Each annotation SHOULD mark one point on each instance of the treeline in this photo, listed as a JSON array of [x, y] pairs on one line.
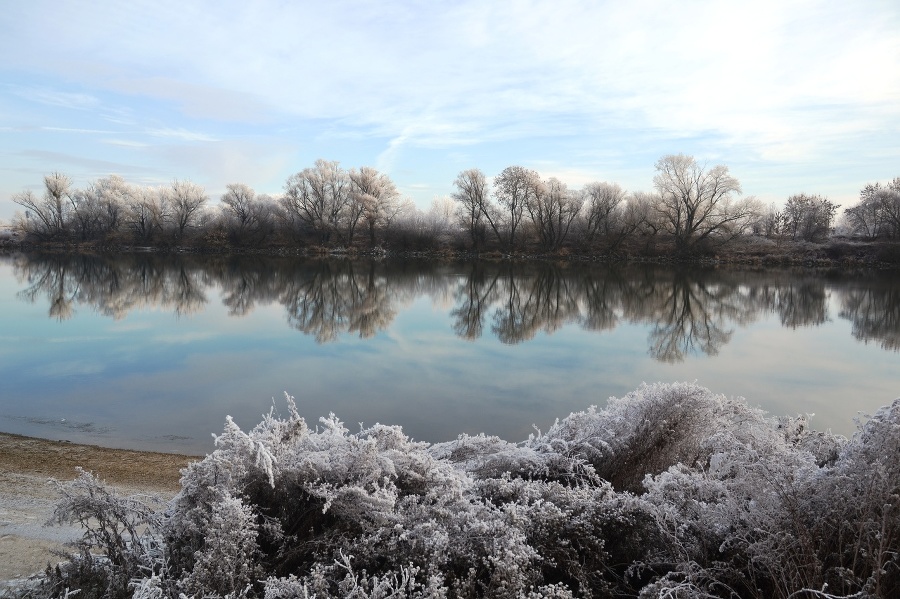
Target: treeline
[[691, 209]]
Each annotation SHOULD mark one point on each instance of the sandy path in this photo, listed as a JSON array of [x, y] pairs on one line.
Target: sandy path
[[27, 500]]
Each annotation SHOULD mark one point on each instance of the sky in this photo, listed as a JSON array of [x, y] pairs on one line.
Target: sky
[[793, 96]]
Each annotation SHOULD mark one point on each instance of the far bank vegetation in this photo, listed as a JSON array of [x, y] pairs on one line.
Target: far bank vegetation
[[694, 210]]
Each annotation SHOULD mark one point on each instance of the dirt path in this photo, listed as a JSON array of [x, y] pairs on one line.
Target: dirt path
[[27, 500]]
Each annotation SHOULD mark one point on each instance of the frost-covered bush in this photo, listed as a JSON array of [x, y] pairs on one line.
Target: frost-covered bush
[[650, 429], [670, 491], [121, 540]]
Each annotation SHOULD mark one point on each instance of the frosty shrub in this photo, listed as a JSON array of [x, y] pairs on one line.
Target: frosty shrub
[[121, 539], [670, 491]]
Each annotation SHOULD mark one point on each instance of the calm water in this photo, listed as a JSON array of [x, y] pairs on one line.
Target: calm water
[[151, 352]]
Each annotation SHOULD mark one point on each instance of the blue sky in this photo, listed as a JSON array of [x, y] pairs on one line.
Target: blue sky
[[792, 96]]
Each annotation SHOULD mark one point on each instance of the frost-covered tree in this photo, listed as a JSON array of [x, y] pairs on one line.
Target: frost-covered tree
[[878, 211], [99, 209], [146, 214], [248, 218], [808, 217], [770, 223], [318, 199], [185, 201], [47, 217], [696, 203], [376, 197]]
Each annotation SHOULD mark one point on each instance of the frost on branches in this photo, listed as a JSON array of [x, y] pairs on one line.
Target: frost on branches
[[670, 491]]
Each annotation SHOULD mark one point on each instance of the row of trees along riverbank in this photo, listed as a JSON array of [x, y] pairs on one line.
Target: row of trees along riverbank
[[692, 210]]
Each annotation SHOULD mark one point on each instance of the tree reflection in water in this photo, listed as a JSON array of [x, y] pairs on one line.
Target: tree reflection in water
[[690, 310], [875, 313]]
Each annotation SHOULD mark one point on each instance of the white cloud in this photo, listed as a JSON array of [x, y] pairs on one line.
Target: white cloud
[[49, 97], [73, 130], [125, 143], [180, 134]]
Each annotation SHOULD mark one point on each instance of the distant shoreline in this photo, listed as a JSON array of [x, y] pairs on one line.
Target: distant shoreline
[[754, 252]]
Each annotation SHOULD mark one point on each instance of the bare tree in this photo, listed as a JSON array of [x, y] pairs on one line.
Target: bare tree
[[318, 198], [237, 204], [99, 209], [377, 197], [770, 223], [865, 219], [248, 217], [146, 213], [552, 209], [186, 201], [47, 217], [696, 204], [472, 195], [878, 211], [513, 189], [602, 204], [641, 212], [889, 200], [808, 217]]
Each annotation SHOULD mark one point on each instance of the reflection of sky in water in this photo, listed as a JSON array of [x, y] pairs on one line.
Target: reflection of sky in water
[[155, 380]]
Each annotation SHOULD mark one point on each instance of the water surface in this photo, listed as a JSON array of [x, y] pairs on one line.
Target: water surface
[[151, 352]]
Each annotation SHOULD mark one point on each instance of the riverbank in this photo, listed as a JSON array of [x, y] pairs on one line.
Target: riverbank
[[27, 498], [745, 251]]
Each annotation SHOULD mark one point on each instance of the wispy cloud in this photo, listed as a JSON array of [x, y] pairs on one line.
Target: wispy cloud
[[125, 143], [180, 134], [50, 97], [74, 130], [71, 159]]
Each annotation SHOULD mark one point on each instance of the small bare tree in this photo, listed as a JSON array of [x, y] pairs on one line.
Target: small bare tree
[[186, 201], [878, 211], [601, 211], [146, 214], [99, 209], [552, 209], [472, 195], [808, 217], [47, 217], [248, 217]]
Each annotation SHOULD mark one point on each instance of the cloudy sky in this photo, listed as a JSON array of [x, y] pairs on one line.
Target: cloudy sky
[[793, 96]]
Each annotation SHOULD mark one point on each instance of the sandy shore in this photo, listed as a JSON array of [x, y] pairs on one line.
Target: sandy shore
[[27, 500]]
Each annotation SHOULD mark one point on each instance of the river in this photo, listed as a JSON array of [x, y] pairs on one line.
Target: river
[[150, 351]]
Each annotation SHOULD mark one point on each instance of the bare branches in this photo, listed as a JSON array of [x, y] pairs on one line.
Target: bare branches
[[376, 197], [693, 207], [47, 217], [696, 204], [472, 195]]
